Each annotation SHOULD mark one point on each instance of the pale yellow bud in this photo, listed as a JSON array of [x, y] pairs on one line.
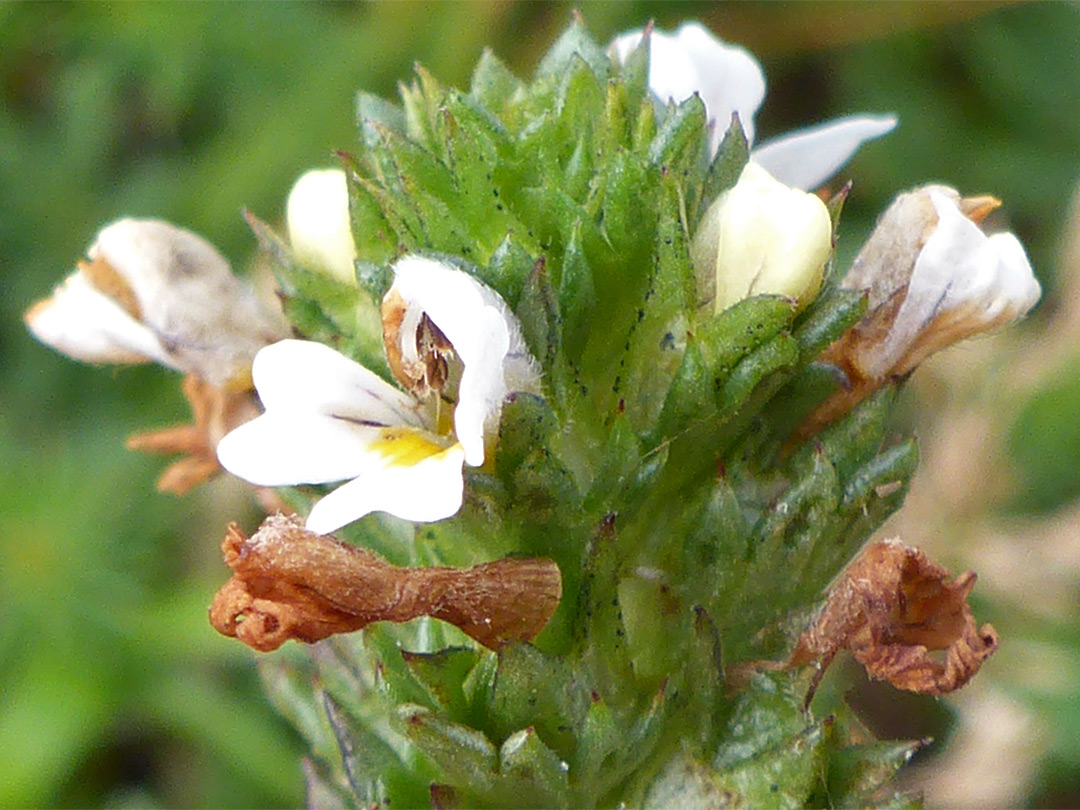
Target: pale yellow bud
[[761, 237], [320, 231]]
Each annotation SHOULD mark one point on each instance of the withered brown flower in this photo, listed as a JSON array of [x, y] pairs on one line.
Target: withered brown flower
[[292, 583], [150, 291], [892, 607], [932, 278]]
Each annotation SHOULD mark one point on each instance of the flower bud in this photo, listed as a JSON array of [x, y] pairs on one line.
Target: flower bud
[[761, 237], [320, 231], [933, 278]]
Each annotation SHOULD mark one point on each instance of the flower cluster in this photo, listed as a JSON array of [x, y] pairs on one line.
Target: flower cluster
[[593, 339]]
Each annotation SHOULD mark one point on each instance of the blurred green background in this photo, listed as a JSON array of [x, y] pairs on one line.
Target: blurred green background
[[114, 690]]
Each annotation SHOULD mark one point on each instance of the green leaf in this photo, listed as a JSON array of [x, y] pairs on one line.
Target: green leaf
[[731, 158], [858, 772], [635, 71], [574, 44], [538, 310], [366, 759], [577, 297], [618, 468], [737, 331], [691, 397], [444, 674], [779, 354], [421, 101], [493, 84], [534, 690], [833, 313], [783, 776], [464, 757], [524, 758], [371, 108], [679, 146], [856, 438]]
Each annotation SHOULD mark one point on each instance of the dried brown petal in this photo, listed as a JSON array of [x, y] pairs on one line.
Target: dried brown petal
[[891, 608], [216, 412], [291, 583]]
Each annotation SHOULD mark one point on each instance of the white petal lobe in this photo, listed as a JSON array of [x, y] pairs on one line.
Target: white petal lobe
[[88, 325], [693, 60], [301, 375], [808, 157], [279, 449], [428, 491]]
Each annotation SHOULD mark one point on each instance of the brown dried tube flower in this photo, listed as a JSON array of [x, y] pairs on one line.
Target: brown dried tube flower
[[291, 583], [891, 608]]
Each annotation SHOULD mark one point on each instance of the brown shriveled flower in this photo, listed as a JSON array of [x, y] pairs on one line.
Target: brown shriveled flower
[[891, 608], [291, 583]]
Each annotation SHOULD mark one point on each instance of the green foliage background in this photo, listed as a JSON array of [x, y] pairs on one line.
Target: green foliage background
[[114, 690]]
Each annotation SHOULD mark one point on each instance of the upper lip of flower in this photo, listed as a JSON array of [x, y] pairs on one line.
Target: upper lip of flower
[[329, 419], [728, 79]]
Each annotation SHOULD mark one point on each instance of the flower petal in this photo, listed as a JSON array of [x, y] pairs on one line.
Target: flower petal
[[319, 228], [484, 334], [304, 376], [84, 323], [962, 267], [278, 449], [426, 490], [808, 157]]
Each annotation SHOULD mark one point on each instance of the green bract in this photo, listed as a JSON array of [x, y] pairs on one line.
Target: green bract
[[657, 469]]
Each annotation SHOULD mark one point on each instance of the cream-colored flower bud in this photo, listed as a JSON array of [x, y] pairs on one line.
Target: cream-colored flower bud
[[933, 278], [320, 230], [761, 237]]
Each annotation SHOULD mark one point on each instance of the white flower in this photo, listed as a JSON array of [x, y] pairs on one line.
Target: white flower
[[451, 341], [934, 278], [761, 237], [318, 220], [152, 291], [729, 79]]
